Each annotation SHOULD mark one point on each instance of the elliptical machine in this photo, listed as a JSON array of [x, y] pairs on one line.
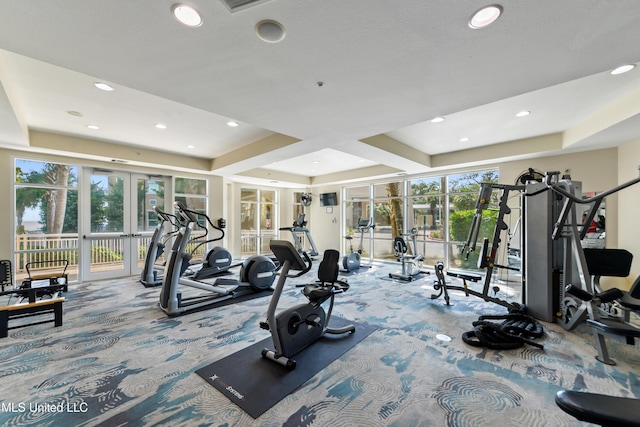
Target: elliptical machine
[[295, 328], [257, 274], [151, 274], [352, 261]]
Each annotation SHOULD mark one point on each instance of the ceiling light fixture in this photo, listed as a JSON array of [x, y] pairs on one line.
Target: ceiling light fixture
[[191, 146], [270, 31], [186, 15], [437, 120], [232, 124], [523, 113], [623, 69], [94, 127], [464, 139], [485, 16], [160, 126], [103, 86]]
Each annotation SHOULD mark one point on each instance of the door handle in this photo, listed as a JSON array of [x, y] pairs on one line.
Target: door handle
[[136, 235]]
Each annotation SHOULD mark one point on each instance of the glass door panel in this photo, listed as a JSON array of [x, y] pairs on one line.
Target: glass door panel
[[106, 240], [119, 223], [149, 194]]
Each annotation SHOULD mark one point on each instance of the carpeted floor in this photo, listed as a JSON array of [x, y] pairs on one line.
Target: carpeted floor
[[119, 360]]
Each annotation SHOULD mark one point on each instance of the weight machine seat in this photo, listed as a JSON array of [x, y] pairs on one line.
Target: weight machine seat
[[608, 262], [600, 409], [615, 263], [631, 299], [629, 302], [464, 276], [615, 327]]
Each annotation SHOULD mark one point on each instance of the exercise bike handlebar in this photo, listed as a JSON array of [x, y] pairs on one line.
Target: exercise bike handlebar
[[286, 253]]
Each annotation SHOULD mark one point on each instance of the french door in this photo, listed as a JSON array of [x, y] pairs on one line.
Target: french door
[[118, 221]]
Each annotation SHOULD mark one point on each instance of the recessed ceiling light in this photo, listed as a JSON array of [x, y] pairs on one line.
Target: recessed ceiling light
[[186, 15], [232, 124], [523, 113], [94, 127], [485, 16], [623, 69], [160, 126], [464, 139], [191, 146], [103, 86], [315, 162], [74, 113], [437, 120]]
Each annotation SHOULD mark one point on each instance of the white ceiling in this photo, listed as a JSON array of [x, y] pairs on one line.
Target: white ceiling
[[387, 68]]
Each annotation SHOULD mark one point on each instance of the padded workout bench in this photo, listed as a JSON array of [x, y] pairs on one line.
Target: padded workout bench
[[32, 291], [35, 308], [599, 409]]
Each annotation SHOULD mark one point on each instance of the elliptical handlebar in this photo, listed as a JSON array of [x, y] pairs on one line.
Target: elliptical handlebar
[[167, 217], [190, 216]]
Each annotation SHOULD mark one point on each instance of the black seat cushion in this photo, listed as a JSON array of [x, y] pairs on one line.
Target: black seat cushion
[[599, 408]]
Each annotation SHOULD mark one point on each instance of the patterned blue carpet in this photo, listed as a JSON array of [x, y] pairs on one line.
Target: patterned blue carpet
[[119, 360]]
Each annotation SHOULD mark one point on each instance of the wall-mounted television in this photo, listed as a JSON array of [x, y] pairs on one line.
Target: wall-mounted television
[[328, 199]]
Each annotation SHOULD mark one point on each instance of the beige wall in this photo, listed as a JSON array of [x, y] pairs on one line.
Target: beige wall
[[629, 205]]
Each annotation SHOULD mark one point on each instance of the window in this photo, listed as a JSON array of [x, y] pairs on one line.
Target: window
[[46, 215], [440, 208], [193, 194], [258, 220]]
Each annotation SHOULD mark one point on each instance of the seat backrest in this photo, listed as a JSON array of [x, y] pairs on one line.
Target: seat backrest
[[608, 262], [328, 268], [400, 246]]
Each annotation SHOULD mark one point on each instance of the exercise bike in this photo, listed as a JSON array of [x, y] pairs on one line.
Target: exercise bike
[[295, 328], [411, 263], [352, 261]]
